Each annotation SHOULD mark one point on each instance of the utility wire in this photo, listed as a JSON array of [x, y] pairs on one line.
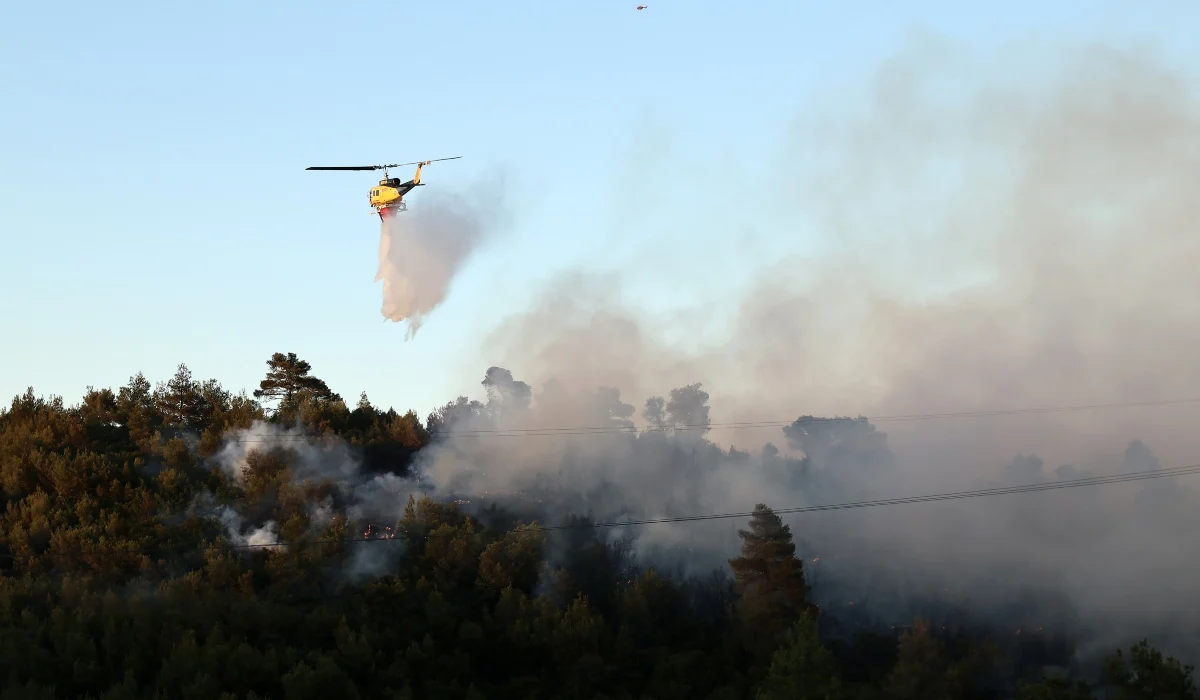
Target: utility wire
[[624, 429], [976, 493]]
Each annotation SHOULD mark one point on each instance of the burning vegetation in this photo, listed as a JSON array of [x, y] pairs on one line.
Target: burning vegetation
[[185, 539]]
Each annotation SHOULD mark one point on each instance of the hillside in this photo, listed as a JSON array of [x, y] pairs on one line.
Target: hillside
[[186, 541]]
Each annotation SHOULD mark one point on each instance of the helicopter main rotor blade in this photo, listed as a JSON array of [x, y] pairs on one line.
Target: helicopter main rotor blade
[[377, 167], [418, 162]]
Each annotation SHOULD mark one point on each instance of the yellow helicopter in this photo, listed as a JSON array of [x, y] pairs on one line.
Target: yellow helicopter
[[388, 196]]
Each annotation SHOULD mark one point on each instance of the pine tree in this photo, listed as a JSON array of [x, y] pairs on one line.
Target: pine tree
[[926, 669], [772, 592], [802, 669], [289, 376], [180, 400]]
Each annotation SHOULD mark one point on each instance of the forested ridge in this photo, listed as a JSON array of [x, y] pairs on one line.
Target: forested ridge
[[135, 567]]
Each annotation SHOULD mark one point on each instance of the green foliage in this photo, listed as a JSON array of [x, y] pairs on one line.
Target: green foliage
[[288, 379], [513, 560], [802, 668], [1145, 674], [118, 581], [926, 670]]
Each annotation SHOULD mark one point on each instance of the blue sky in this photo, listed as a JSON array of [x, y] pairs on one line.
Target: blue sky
[[154, 207]]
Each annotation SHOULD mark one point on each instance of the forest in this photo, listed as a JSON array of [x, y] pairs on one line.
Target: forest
[[182, 540]]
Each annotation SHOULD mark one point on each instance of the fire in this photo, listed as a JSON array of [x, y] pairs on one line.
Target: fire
[[386, 533]]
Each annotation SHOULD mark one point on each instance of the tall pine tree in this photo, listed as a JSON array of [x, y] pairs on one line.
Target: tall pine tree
[[289, 376], [772, 592], [180, 400]]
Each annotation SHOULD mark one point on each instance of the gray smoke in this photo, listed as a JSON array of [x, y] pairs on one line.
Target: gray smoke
[[1029, 243], [308, 458], [361, 498], [422, 250], [236, 528], [264, 537], [992, 239]]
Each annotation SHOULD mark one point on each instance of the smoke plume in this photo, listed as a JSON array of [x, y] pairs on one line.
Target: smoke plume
[[266, 449], [421, 251], [990, 238]]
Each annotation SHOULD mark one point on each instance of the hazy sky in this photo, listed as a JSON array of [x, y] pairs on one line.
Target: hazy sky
[[154, 207]]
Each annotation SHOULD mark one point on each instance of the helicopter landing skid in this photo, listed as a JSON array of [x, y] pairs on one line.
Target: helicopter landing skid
[[401, 206]]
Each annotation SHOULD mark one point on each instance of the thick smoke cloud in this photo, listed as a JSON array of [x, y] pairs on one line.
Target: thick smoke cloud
[[1028, 243], [422, 250], [991, 239]]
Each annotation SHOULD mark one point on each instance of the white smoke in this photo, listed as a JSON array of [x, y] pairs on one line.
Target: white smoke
[[421, 251], [320, 515], [360, 497], [265, 536], [309, 458]]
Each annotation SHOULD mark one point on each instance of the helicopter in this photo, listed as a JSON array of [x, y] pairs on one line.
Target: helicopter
[[388, 196]]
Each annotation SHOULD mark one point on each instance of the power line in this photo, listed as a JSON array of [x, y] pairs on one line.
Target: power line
[[629, 429], [957, 495], [978, 493]]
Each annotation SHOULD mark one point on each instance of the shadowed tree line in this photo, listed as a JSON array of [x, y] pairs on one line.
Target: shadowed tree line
[[115, 584]]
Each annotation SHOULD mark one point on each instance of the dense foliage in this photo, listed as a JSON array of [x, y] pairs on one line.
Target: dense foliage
[[114, 584]]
